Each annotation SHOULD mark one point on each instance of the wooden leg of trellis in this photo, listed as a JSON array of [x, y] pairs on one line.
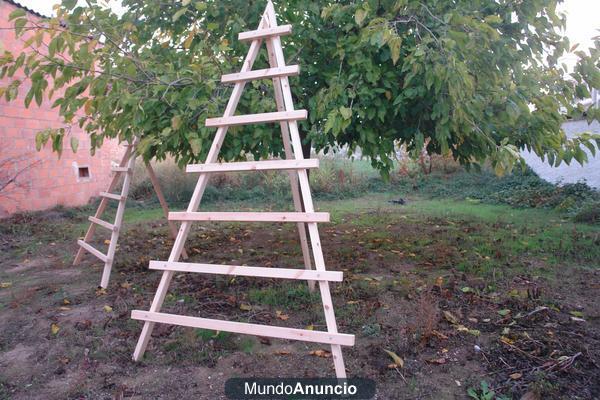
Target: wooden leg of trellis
[[102, 206], [163, 204], [285, 134], [184, 229], [336, 350], [114, 237]]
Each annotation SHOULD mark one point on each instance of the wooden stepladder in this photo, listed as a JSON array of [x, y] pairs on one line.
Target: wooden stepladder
[[125, 168], [296, 166]]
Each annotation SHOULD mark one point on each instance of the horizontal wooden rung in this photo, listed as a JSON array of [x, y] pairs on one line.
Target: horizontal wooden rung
[[254, 166], [250, 216], [239, 270], [265, 33], [246, 328], [92, 250], [119, 169], [277, 116], [113, 196], [104, 224], [261, 74]]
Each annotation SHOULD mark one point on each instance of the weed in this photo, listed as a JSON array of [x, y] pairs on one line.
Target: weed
[[285, 296], [484, 392], [427, 317]]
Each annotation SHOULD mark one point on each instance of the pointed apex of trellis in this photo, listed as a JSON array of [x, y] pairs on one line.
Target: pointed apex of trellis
[[304, 216]]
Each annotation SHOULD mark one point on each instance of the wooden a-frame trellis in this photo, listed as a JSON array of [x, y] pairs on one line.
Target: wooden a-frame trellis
[[296, 165], [125, 168]]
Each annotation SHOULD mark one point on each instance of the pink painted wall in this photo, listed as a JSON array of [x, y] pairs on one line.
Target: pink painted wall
[[49, 181]]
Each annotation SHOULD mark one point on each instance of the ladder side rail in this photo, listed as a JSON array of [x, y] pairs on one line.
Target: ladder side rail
[[102, 206], [184, 229], [336, 350], [114, 237], [293, 176]]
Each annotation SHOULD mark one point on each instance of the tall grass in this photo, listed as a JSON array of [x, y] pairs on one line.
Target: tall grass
[[334, 179], [340, 178]]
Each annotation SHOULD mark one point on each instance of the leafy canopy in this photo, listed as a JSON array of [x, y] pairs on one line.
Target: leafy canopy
[[477, 79]]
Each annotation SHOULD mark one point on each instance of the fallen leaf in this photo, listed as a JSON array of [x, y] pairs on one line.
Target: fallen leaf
[[506, 340], [126, 285], [5, 285], [66, 301], [64, 308], [245, 307], [516, 376], [397, 359], [437, 361], [282, 316], [54, 328], [577, 314], [439, 335], [107, 241], [282, 352], [100, 292], [310, 327], [107, 308], [504, 312], [439, 281], [264, 340], [353, 302], [450, 317], [321, 353], [530, 396]]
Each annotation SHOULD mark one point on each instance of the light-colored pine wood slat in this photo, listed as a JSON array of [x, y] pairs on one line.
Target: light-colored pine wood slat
[[103, 204], [184, 229], [246, 328], [102, 223], [288, 70], [278, 61], [92, 250], [119, 169], [250, 216], [257, 118], [265, 33], [254, 166], [113, 196], [240, 270]]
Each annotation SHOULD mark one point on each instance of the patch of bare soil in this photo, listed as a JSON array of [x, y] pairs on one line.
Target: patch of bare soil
[[62, 338]]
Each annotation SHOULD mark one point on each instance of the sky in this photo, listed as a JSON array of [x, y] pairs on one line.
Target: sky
[[583, 19]]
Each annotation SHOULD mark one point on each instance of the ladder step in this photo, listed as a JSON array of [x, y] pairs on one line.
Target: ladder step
[[261, 74], [265, 33], [246, 328], [105, 224], [93, 250], [239, 270], [257, 118], [120, 169], [254, 166], [113, 196], [250, 216]]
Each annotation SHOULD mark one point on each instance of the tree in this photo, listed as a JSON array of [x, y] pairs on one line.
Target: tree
[[475, 79]]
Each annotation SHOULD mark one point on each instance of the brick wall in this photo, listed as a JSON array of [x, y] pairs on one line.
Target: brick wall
[[45, 180]]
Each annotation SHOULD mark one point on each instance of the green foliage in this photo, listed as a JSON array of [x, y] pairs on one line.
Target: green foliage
[[475, 79], [484, 393]]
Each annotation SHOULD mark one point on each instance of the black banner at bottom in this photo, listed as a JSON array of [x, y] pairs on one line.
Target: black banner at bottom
[[299, 388]]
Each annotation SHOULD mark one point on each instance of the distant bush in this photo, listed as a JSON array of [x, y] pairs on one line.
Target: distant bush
[[335, 179], [590, 213], [341, 178]]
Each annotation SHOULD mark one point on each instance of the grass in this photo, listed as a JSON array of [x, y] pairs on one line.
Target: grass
[[449, 228]]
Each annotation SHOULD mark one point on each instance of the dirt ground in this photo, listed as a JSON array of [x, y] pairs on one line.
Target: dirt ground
[[459, 300]]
